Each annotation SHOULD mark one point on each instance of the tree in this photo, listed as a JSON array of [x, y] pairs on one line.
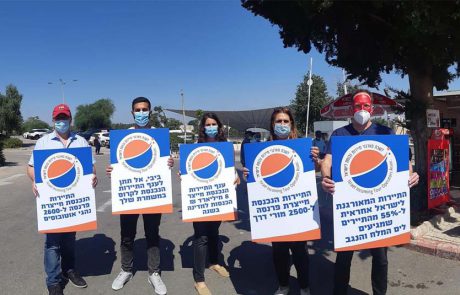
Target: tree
[[419, 39], [34, 123], [173, 124], [94, 116], [350, 88], [10, 110], [318, 99]]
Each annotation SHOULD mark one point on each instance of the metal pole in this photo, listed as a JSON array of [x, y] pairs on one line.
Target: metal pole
[[309, 83], [345, 90], [183, 116]]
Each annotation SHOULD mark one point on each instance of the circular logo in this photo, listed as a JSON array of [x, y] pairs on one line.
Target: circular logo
[[277, 168], [61, 171], [138, 152], [368, 166], [205, 163]]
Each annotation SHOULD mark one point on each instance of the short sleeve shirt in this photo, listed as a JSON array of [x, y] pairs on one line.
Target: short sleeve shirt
[[51, 141], [374, 129]]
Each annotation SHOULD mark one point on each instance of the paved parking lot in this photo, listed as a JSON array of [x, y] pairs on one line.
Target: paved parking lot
[[249, 264]]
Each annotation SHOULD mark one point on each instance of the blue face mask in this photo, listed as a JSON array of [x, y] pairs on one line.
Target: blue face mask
[[141, 118], [211, 131], [282, 131], [62, 126]]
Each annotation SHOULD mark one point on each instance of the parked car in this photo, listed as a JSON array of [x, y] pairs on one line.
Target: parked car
[[103, 138], [87, 134], [35, 133]]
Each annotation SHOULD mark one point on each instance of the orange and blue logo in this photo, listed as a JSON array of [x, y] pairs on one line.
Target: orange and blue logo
[[277, 168], [205, 163], [61, 171], [368, 165], [137, 152]]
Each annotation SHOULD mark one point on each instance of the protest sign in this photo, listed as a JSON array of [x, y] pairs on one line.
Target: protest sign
[[282, 195], [207, 182], [141, 178], [371, 200], [66, 197]]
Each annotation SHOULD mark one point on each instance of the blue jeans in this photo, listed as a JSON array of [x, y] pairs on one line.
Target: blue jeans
[[59, 256]]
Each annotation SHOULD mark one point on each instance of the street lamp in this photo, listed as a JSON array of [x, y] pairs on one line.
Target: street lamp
[[62, 83]]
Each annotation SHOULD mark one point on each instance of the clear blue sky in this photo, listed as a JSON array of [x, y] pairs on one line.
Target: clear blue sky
[[221, 55]]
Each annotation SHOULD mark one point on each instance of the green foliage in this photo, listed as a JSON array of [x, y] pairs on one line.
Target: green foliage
[[350, 88], [34, 123], [12, 143], [173, 124], [10, 110], [121, 126], [94, 116], [381, 121], [367, 38], [318, 99]]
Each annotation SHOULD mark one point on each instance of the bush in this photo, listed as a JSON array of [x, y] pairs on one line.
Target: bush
[[2, 157], [12, 143]]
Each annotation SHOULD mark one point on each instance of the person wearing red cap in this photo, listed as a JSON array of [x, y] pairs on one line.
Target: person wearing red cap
[[361, 124], [60, 247]]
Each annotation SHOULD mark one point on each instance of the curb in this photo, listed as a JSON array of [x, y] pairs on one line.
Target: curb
[[439, 249], [432, 247]]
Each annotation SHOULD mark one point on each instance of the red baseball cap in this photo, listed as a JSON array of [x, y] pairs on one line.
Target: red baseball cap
[[61, 109]]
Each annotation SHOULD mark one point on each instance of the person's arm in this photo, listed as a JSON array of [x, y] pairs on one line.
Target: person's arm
[[31, 174], [327, 183], [95, 181], [413, 177]]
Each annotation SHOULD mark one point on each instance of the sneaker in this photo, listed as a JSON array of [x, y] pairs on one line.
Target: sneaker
[[55, 290], [157, 283], [305, 291], [122, 278], [282, 290], [75, 278]]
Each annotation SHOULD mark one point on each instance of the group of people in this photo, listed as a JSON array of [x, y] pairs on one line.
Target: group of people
[[60, 247]]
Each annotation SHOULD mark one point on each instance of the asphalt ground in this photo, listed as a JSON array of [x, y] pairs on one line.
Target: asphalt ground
[[250, 264]]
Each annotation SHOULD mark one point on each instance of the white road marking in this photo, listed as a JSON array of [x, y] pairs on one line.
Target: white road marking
[[6, 181]]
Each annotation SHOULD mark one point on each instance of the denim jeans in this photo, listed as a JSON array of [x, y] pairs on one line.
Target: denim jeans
[[59, 256], [128, 223], [205, 245], [379, 274]]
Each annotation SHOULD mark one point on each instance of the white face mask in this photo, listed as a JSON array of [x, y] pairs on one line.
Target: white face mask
[[362, 117]]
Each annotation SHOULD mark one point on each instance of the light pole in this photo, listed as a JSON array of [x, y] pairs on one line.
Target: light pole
[[61, 84], [183, 116]]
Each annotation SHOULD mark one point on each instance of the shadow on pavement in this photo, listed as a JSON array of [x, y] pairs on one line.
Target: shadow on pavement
[[251, 269], [95, 255], [166, 255]]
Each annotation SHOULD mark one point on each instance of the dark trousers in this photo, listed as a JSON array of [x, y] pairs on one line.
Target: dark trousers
[[205, 245], [379, 273], [282, 261], [98, 149], [59, 256], [128, 223]]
